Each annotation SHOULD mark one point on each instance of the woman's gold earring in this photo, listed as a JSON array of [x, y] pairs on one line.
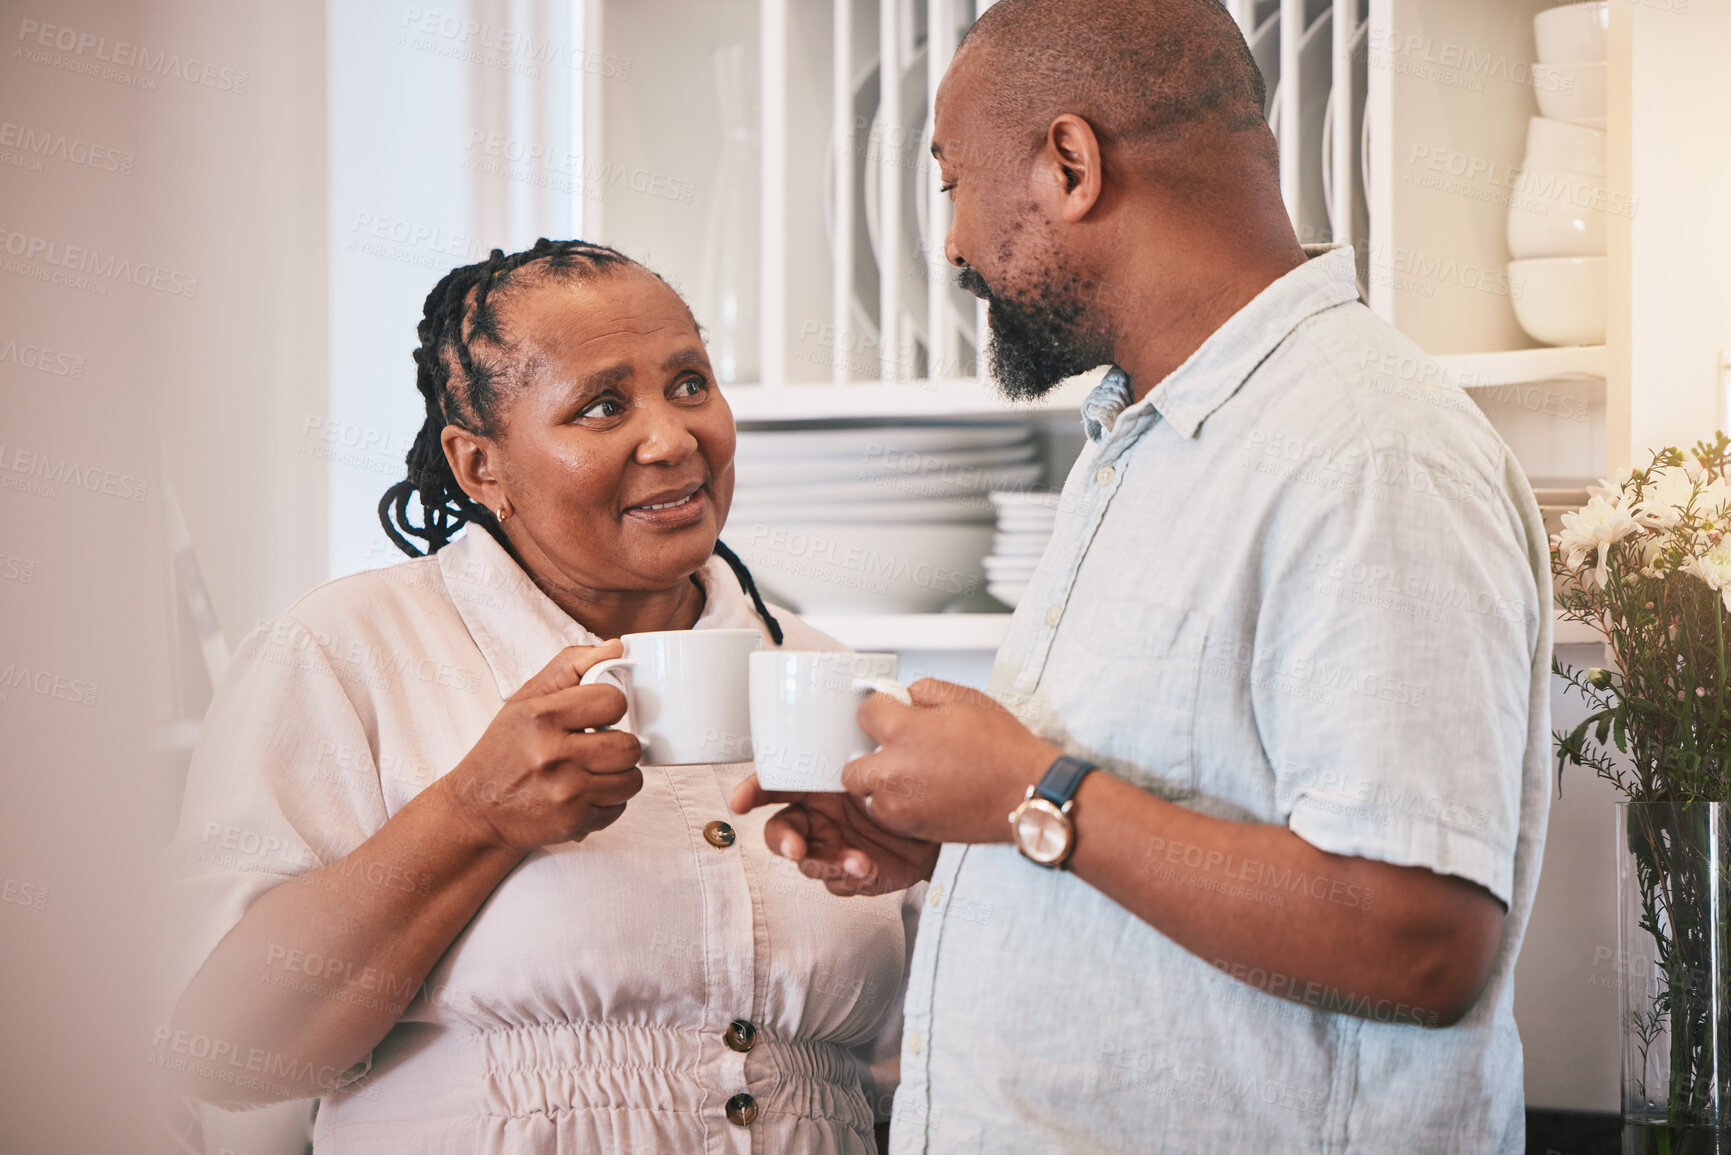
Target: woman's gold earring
[[504, 512]]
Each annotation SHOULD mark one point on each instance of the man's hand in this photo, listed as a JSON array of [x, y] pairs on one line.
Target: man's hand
[[949, 768], [833, 839]]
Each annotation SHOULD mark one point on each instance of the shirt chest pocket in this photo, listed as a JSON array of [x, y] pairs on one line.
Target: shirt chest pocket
[[1123, 681]]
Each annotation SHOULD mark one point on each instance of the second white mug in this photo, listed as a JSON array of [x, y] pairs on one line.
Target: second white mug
[[802, 714]]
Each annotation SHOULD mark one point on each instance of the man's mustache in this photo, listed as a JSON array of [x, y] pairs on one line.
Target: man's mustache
[[971, 280]]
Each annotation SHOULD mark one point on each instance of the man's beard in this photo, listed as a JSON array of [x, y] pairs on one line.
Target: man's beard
[[1039, 338]]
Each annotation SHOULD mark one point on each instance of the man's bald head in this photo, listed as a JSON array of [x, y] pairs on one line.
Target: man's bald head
[[1111, 176], [1146, 74]]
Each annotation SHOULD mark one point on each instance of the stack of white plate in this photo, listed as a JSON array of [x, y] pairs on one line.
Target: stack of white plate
[[1025, 523], [872, 519]]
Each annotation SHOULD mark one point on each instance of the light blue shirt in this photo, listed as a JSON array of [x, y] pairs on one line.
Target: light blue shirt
[[1301, 582]]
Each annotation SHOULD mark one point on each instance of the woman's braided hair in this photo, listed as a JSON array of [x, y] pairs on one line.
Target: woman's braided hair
[[463, 388]]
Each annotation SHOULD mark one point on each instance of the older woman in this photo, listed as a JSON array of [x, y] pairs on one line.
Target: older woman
[[434, 892]]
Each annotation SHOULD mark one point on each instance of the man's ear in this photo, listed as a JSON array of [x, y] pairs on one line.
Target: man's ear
[[473, 463], [1067, 172]]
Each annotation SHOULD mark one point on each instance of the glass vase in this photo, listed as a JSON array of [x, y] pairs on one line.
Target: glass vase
[[1674, 933], [727, 297]]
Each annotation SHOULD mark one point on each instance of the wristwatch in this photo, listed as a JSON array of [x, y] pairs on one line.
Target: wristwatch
[[1041, 827]]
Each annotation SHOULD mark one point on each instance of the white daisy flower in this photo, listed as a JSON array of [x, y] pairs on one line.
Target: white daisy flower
[[1664, 498], [1594, 528], [1714, 568]]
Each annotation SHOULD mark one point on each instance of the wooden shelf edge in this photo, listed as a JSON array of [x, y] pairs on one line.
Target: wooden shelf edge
[[1520, 366]]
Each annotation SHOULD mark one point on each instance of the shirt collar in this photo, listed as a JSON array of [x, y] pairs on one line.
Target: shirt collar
[[518, 628], [1213, 373]]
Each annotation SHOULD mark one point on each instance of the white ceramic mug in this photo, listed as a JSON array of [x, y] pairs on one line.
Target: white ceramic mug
[[687, 693], [802, 714]]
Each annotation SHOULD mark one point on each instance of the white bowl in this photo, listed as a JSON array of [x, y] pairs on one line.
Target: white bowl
[[838, 568], [1560, 300], [1010, 593], [1557, 214], [1572, 92], [883, 461], [1560, 146], [887, 511], [970, 482], [1572, 33]]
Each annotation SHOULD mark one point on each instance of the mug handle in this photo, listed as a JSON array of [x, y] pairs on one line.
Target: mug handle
[[887, 686], [604, 667]]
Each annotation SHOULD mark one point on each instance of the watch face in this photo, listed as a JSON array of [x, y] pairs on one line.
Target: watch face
[[1042, 832]]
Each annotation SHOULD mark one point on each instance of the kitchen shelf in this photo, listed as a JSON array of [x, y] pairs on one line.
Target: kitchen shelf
[[915, 631], [1518, 366], [965, 398], [986, 631], [894, 400]]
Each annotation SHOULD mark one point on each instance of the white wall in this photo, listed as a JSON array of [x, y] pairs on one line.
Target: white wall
[[1671, 56], [450, 135], [1567, 1004], [216, 139]]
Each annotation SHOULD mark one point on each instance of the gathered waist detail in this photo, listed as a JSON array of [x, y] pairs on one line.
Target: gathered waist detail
[[422, 1070], [552, 1067]]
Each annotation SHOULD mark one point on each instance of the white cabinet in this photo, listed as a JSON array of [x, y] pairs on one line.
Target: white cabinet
[[1374, 105]]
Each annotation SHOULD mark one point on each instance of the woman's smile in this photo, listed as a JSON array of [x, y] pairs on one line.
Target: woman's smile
[[672, 508]]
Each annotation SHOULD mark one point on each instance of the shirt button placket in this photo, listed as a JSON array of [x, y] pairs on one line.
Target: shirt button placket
[[740, 1035], [731, 966], [742, 1109]]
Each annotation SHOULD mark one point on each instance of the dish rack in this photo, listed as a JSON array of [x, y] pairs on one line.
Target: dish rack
[[891, 289]]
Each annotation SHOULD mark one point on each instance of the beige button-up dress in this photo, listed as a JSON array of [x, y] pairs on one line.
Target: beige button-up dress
[[587, 1006]]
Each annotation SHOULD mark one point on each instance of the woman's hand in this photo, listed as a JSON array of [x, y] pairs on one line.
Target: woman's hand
[[834, 839], [540, 773]]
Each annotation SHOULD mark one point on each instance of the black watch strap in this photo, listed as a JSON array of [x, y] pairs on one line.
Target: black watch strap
[[1061, 780]]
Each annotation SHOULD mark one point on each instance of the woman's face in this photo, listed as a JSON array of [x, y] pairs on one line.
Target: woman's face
[[616, 451]]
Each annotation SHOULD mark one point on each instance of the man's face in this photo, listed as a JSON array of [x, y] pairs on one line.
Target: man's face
[[1012, 255]]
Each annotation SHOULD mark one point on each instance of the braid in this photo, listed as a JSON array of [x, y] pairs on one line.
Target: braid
[[750, 586], [451, 325]]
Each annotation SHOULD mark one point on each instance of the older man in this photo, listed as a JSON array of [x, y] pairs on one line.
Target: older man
[[1243, 861]]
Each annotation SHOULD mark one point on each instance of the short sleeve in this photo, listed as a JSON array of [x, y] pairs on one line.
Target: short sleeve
[[282, 781], [1394, 664]]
